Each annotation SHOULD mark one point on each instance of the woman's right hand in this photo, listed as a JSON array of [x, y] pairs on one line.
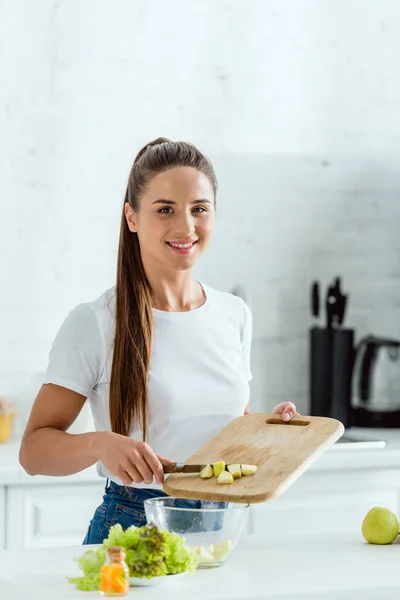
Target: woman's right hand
[[128, 459]]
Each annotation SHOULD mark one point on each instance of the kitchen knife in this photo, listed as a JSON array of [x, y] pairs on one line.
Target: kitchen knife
[[330, 305], [340, 304], [315, 301], [182, 468], [341, 309]]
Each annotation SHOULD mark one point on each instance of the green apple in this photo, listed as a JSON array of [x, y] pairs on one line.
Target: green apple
[[235, 470], [221, 550], [380, 526], [205, 554], [207, 472], [218, 467], [248, 469], [225, 477]]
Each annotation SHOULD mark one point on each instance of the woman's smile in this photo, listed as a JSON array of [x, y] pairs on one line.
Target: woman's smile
[[182, 247]]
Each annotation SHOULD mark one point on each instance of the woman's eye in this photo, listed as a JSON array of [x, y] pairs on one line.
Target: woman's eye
[[167, 210]]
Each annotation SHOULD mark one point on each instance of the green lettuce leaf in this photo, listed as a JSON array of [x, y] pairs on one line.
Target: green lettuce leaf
[[150, 552], [178, 556], [90, 563], [148, 558]]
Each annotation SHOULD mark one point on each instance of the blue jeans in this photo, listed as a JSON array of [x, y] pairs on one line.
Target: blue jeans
[[126, 506]]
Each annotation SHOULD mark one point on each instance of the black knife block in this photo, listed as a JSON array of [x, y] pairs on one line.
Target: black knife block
[[331, 369]]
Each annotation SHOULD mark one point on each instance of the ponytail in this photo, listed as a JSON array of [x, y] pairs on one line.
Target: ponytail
[[133, 317]]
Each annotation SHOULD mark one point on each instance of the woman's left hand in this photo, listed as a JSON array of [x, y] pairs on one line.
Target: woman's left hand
[[287, 410]]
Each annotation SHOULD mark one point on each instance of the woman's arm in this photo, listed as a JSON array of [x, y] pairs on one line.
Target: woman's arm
[[46, 448]]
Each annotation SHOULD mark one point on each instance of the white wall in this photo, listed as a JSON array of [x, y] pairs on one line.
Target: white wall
[[297, 103]]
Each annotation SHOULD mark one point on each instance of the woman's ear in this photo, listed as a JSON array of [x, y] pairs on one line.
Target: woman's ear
[[130, 218]]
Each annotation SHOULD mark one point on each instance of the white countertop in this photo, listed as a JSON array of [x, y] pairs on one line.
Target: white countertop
[[319, 568], [341, 457], [338, 457]]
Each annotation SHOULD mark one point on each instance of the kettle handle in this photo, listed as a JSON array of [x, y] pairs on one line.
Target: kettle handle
[[367, 366], [372, 345]]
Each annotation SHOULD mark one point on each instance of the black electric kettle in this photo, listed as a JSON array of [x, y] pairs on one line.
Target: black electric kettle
[[376, 383]]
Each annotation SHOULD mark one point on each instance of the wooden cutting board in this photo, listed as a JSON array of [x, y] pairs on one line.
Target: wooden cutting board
[[282, 452]]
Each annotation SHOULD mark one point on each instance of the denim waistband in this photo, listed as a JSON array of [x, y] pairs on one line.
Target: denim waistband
[[130, 491], [119, 489]]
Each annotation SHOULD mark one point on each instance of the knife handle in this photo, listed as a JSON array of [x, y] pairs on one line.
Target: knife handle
[[172, 467], [315, 299]]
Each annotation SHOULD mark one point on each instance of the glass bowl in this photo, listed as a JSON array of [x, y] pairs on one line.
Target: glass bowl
[[213, 528]]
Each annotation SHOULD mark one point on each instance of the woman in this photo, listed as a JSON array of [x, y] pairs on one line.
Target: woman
[[163, 359]]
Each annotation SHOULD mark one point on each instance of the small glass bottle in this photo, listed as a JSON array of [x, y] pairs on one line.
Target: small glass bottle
[[114, 575]]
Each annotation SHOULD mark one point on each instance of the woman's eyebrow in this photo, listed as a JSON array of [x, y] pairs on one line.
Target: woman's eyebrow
[[171, 202]]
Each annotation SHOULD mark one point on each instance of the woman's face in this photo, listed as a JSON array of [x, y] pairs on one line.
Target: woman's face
[[175, 218]]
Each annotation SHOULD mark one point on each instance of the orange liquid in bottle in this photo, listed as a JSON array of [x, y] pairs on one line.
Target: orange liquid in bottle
[[114, 575]]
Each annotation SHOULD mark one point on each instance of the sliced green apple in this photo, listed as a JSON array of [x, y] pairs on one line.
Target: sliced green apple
[[248, 469], [218, 467], [205, 554], [207, 472], [235, 470], [221, 550], [225, 477]]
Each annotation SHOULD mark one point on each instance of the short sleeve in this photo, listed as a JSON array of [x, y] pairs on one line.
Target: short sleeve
[[76, 356], [247, 338]]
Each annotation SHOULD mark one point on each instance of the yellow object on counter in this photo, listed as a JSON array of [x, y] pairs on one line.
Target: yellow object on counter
[[114, 575], [6, 420]]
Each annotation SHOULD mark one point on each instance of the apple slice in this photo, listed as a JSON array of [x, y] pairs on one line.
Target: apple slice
[[235, 470], [218, 467], [205, 554], [248, 469], [225, 477], [221, 550], [207, 472]]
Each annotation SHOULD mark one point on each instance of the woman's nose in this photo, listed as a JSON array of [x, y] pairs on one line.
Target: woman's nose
[[185, 225]]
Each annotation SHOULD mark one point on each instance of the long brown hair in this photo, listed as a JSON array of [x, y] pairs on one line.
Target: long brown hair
[[133, 326]]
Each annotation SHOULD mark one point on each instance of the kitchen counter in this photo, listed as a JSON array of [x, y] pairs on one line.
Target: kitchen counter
[[337, 457], [353, 457], [319, 567]]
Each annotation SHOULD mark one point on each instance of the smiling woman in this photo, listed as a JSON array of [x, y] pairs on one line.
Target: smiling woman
[[163, 359]]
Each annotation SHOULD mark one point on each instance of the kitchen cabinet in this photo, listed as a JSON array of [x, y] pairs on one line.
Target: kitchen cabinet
[[326, 503], [50, 515], [58, 514], [2, 517]]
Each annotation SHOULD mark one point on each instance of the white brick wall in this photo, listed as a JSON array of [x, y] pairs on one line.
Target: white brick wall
[[296, 102]]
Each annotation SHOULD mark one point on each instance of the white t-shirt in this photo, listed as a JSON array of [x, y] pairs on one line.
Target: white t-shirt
[[199, 370]]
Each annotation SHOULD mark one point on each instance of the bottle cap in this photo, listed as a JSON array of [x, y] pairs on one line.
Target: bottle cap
[[116, 552]]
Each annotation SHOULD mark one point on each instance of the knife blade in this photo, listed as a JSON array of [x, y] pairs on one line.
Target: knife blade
[[182, 468]]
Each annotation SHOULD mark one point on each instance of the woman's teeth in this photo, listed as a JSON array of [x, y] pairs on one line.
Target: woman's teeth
[[181, 245]]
